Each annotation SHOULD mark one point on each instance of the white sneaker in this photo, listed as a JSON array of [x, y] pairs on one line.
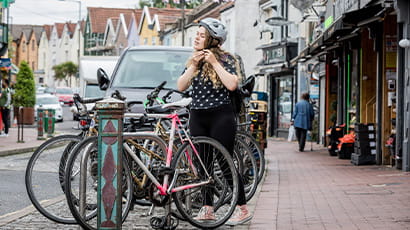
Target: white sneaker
[[240, 216], [4, 135], [205, 213]]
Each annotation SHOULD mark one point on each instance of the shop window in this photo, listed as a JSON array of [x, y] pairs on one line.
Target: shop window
[[284, 102]]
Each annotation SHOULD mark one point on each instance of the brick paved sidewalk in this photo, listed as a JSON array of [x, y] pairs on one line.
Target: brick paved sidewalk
[[312, 190]]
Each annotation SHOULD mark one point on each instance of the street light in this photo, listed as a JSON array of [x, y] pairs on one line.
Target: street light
[[79, 31]]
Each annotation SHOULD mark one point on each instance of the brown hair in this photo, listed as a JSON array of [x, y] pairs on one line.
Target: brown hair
[[306, 96], [207, 71]]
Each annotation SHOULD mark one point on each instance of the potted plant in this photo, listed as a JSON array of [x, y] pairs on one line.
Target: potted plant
[[25, 94]]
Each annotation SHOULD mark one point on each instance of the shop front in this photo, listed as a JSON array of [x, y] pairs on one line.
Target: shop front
[[280, 85]]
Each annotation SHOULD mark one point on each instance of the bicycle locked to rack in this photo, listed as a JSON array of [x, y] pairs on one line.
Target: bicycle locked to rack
[[199, 164], [147, 152]]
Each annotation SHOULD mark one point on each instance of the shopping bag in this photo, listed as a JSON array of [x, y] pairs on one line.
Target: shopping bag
[[291, 135]]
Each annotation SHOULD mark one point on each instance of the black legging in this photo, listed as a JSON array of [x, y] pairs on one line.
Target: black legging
[[219, 124], [301, 136], [5, 114]]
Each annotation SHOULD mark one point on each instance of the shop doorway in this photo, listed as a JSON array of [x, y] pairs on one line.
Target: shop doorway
[[281, 105]]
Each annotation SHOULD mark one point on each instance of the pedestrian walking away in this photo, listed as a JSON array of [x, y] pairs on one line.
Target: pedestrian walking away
[[213, 73], [302, 119], [5, 105]]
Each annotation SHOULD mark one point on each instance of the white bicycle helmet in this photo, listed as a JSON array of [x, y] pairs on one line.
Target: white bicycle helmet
[[215, 28]]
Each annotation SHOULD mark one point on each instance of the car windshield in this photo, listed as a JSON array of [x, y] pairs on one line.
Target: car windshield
[[150, 68], [93, 91], [46, 100], [49, 90], [64, 91]]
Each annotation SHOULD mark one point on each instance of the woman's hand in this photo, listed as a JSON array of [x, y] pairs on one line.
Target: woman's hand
[[197, 56], [209, 57]]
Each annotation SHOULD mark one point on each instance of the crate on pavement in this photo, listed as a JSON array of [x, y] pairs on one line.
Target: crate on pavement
[[258, 115], [365, 144], [360, 159], [365, 136], [364, 128], [258, 106]]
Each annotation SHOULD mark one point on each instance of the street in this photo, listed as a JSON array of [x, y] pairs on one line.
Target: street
[[12, 171]]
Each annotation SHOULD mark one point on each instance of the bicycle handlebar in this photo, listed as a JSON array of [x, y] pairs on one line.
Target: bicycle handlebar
[[78, 98], [116, 94]]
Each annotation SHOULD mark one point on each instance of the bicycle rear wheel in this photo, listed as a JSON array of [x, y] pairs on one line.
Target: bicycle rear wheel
[[257, 151], [83, 161], [44, 178], [247, 167], [216, 164]]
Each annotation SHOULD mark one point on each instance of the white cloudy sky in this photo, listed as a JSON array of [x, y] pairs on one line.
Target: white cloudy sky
[[50, 11]]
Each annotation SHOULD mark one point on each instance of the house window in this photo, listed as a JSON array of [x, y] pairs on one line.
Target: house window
[[153, 41], [145, 41], [24, 47], [32, 66], [32, 44]]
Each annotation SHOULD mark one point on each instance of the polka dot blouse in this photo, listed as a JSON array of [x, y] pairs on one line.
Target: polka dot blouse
[[204, 95]]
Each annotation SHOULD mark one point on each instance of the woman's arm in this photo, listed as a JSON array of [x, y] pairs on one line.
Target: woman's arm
[[184, 80], [230, 81]]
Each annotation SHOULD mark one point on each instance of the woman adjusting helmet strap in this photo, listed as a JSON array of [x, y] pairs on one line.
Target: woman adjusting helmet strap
[[216, 29]]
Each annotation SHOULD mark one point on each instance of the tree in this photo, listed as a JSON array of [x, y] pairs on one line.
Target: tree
[[64, 71], [25, 91]]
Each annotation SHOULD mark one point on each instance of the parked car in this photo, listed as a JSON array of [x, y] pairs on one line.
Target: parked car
[[65, 95], [48, 101], [40, 90], [141, 69]]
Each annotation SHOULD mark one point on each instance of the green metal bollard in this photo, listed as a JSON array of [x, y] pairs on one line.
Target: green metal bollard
[[40, 124], [50, 122], [110, 114]]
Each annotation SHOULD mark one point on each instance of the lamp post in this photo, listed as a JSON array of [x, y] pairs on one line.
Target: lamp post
[[183, 21], [79, 33]]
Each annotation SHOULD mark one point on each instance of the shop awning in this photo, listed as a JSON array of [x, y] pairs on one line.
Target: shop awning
[[336, 30], [301, 57], [364, 15], [315, 46]]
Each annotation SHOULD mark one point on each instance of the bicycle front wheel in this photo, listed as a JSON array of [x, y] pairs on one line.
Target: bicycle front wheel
[[207, 164], [45, 178]]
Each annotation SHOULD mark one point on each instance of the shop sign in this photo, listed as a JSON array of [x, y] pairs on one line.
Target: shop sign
[[314, 91], [274, 55], [5, 62]]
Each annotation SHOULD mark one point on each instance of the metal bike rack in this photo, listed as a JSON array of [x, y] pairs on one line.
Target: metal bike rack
[[110, 114]]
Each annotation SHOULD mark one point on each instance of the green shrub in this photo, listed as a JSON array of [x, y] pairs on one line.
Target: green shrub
[[25, 92]]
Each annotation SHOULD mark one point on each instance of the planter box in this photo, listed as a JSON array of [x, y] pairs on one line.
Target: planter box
[[28, 115]]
